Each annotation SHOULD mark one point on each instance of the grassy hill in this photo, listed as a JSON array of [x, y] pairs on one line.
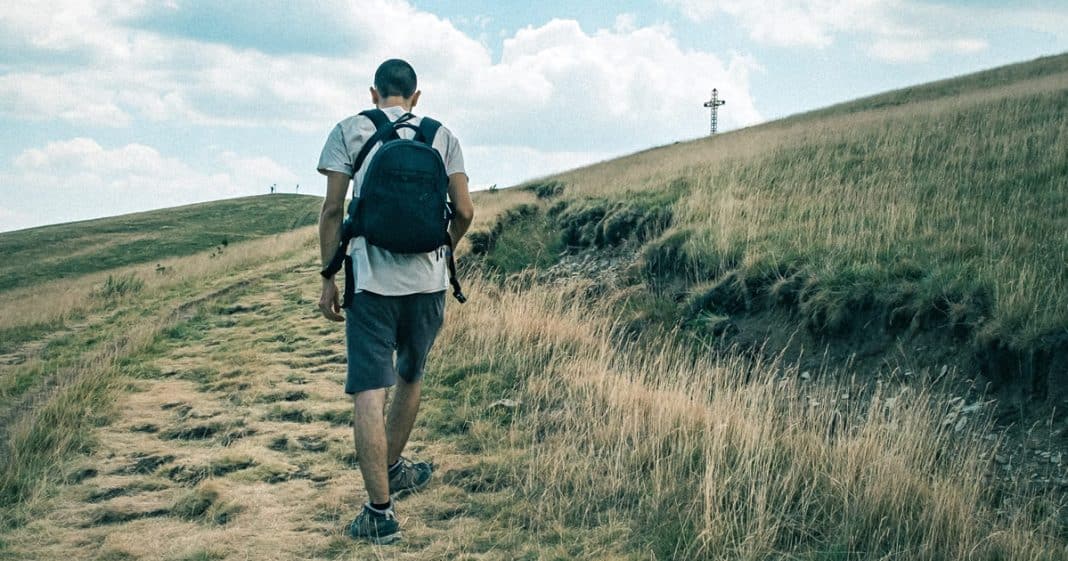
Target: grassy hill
[[586, 410], [1042, 72], [70, 250], [938, 208]]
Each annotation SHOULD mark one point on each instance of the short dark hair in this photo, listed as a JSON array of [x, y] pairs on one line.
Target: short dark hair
[[395, 77]]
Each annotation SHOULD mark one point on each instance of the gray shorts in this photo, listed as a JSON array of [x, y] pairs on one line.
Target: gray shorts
[[376, 326]]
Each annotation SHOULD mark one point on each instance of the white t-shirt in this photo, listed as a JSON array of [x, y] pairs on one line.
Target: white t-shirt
[[375, 269]]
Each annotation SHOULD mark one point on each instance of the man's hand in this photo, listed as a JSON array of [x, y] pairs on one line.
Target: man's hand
[[329, 302]]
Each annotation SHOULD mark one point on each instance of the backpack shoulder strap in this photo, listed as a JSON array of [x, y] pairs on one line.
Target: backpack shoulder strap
[[383, 130], [377, 116], [428, 129]]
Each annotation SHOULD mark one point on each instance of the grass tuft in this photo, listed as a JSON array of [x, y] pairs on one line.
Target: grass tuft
[[204, 504], [119, 286]]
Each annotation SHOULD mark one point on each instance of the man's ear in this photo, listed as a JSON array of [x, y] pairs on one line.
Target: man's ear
[[415, 98], [374, 96]]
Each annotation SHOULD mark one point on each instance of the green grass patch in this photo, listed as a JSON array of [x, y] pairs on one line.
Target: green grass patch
[[522, 238], [58, 428], [147, 237], [21, 379], [336, 417], [288, 415], [202, 375], [13, 337], [117, 286], [545, 189], [192, 329]]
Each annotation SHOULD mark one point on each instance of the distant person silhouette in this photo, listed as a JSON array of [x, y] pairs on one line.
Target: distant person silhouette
[[397, 300]]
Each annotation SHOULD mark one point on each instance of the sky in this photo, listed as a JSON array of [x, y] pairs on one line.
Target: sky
[[116, 106]]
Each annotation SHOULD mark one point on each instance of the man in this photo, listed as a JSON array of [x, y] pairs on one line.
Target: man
[[398, 304]]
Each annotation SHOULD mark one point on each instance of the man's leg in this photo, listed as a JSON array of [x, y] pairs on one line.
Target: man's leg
[[370, 327], [421, 318], [376, 521], [369, 432], [402, 412]]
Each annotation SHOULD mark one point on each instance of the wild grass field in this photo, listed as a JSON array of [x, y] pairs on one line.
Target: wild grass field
[[221, 431], [572, 413], [941, 206]]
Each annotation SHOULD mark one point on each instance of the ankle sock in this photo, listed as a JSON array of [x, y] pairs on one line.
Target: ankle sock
[[380, 508]]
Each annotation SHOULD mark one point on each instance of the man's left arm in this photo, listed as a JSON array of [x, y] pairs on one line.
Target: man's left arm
[[462, 205]]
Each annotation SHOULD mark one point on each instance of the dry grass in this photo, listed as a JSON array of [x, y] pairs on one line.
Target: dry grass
[[965, 192], [231, 429], [68, 392], [225, 433], [74, 298], [699, 458]]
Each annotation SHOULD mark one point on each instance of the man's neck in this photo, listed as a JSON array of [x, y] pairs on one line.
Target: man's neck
[[395, 102]]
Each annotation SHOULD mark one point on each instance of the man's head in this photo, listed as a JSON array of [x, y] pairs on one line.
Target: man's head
[[395, 79]]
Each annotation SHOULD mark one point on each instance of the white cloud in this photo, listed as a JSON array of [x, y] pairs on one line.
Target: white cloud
[[510, 165], [608, 91], [86, 154], [621, 80], [79, 178], [811, 23], [1053, 23], [558, 96], [893, 30], [66, 26], [15, 220], [75, 98], [912, 50]]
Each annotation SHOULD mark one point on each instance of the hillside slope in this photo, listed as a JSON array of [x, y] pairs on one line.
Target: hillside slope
[[209, 414], [70, 250], [936, 211], [1030, 75]]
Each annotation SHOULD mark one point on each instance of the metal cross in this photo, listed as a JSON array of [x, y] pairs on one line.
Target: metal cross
[[714, 104]]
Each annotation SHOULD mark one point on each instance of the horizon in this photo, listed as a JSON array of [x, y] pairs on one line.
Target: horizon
[[189, 103]]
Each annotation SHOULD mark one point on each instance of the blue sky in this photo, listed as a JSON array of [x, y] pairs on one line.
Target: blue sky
[[114, 106]]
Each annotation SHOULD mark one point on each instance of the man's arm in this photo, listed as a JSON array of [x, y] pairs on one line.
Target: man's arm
[[330, 217], [461, 202]]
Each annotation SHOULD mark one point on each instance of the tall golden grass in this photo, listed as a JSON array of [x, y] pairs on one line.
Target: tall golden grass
[[62, 299], [703, 458]]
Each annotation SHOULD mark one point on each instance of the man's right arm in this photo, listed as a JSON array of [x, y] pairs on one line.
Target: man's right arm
[[330, 217], [332, 213]]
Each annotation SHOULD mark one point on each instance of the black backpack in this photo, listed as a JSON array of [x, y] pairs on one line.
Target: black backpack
[[403, 204]]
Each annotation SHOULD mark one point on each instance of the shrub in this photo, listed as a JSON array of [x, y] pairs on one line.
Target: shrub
[[545, 189], [117, 286]]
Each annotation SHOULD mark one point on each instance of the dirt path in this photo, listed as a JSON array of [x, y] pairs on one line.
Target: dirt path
[[233, 442]]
